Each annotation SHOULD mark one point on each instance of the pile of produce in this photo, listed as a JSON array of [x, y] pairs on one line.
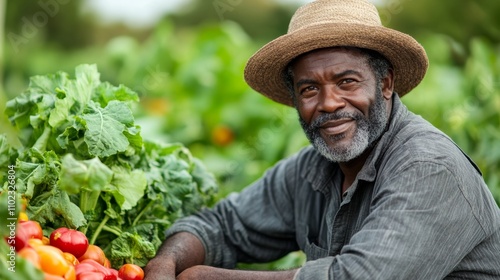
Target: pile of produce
[[65, 255], [83, 165]]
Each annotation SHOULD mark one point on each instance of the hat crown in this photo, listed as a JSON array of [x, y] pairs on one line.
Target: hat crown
[[335, 11]]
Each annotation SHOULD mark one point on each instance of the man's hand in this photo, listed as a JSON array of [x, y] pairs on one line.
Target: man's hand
[[183, 254], [212, 273], [179, 252]]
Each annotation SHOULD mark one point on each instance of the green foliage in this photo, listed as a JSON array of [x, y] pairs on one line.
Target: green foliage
[[464, 102], [461, 20], [84, 165]]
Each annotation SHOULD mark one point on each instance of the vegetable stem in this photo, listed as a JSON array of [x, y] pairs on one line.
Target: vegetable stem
[[41, 142], [98, 229], [142, 212], [114, 231], [88, 200]]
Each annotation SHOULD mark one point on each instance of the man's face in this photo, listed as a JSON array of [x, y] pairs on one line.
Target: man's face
[[342, 108]]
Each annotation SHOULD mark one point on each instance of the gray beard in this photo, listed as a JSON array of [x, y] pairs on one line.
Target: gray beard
[[367, 132]]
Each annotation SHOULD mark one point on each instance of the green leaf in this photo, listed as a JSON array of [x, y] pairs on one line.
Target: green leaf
[[74, 94], [127, 187], [37, 172], [84, 175], [56, 208], [105, 128], [106, 92], [131, 248]]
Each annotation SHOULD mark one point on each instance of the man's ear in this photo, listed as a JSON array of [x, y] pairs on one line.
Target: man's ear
[[388, 84]]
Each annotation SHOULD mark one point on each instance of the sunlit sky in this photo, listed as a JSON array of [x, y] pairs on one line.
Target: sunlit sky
[[144, 12], [141, 13]]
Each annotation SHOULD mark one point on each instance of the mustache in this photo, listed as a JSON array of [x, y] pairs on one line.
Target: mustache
[[325, 117]]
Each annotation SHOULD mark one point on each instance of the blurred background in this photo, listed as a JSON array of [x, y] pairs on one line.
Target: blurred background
[[185, 58]]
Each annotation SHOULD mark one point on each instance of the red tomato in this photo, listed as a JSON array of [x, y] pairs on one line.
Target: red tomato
[[69, 240], [89, 265], [32, 229], [90, 275], [130, 271], [20, 240], [94, 253], [114, 272]]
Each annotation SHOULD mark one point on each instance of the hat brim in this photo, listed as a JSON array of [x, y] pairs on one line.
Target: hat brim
[[264, 71]]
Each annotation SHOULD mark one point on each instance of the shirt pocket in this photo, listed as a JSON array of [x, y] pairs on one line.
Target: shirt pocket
[[308, 241]]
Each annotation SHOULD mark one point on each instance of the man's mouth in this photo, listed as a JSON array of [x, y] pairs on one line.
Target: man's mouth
[[334, 127]]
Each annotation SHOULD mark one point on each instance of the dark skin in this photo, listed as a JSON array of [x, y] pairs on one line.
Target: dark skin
[[329, 80], [324, 81]]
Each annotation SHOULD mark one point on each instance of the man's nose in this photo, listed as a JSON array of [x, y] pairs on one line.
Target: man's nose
[[330, 100]]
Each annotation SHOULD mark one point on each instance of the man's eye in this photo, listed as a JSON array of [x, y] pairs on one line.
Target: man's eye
[[347, 81], [308, 90]]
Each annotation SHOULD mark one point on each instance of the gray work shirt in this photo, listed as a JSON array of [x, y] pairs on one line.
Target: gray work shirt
[[418, 209]]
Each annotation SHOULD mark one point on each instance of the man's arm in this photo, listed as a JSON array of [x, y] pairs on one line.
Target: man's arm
[[179, 252], [183, 254], [214, 273]]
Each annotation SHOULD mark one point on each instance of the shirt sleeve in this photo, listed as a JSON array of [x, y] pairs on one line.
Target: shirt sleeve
[[256, 225], [423, 220]]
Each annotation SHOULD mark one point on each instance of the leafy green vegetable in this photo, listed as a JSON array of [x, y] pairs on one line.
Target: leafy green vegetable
[[84, 165]]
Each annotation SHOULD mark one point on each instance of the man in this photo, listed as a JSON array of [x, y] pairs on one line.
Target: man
[[381, 194]]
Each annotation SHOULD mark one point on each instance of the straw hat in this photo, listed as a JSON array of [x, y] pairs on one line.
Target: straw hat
[[330, 23]]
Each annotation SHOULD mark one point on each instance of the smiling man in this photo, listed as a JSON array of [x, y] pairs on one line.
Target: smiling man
[[380, 193]]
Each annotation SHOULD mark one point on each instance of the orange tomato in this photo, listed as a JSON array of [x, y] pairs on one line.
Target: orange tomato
[[107, 263], [130, 271], [71, 258], [30, 255], [48, 276], [94, 253], [45, 240], [34, 242], [52, 260], [70, 274]]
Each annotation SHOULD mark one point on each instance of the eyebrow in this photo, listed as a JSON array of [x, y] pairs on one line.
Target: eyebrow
[[334, 77]]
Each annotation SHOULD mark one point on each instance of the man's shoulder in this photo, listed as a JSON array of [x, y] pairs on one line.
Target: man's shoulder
[[418, 140]]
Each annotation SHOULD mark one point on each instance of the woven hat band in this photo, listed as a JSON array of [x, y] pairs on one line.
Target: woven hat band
[[324, 11]]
